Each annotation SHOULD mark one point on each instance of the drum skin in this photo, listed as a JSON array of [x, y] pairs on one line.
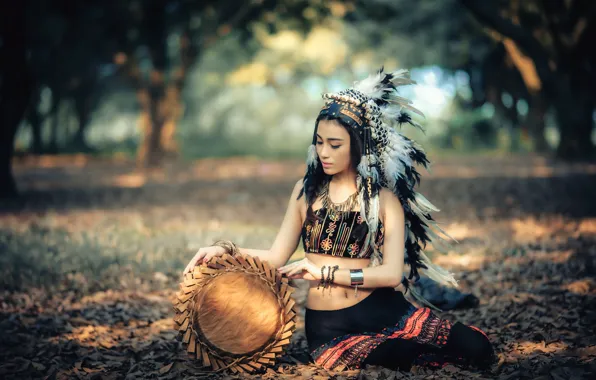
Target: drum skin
[[235, 313], [238, 313]]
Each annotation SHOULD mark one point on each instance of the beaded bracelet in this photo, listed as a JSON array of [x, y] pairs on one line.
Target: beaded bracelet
[[322, 282], [228, 245], [336, 267]]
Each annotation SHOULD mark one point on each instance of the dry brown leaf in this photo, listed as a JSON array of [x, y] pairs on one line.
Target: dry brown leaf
[[529, 263], [166, 368]]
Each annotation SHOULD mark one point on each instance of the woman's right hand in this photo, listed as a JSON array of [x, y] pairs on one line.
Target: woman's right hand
[[204, 255]]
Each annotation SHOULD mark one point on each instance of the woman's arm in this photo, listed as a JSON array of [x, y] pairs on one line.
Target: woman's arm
[[390, 273], [287, 238]]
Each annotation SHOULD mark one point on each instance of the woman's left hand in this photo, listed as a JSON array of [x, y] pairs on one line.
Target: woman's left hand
[[304, 269]]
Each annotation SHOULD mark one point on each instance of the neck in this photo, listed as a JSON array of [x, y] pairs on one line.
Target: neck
[[346, 178]]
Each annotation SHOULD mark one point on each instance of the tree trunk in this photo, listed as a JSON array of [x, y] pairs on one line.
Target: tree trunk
[[156, 118], [82, 110], [54, 123], [173, 113], [575, 120], [535, 122], [152, 121], [153, 96], [35, 121], [15, 87]]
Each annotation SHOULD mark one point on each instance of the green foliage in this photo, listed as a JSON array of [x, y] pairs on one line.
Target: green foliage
[[467, 130]]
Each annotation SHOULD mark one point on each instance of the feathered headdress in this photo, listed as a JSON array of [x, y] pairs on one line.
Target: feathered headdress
[[373, 108]]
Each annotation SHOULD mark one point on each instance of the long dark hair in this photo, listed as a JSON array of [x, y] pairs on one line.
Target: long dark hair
[[316, 179]]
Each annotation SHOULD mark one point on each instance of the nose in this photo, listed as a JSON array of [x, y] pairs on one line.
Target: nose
[[324, 152]]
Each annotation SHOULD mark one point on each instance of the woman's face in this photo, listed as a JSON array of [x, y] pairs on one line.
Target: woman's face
[[333, 147]]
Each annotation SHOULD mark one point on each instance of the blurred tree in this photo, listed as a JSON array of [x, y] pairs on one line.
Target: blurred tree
[[441, 33], [67, 47], [153, 43], [15, 86], [549, 42], [172, 36]]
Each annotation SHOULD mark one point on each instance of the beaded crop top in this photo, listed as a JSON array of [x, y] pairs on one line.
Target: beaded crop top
[[331, 234]]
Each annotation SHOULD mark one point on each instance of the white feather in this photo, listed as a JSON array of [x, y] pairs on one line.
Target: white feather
[[425, 204], [438, 273], [374, 174], [390, 112], [371, 86], [400, 147], [364, 167], [373, 220], [416, 209], [435, 225], [393, 169], [401, 73], [311, 157], [438, 242]]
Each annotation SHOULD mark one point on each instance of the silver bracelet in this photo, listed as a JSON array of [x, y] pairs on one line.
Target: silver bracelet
[[356, 277]]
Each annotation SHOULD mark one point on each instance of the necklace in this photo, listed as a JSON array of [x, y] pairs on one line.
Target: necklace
[[338, 208]]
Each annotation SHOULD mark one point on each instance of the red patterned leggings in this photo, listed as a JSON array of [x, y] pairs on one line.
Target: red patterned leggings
[[466, 345], [385, 329]]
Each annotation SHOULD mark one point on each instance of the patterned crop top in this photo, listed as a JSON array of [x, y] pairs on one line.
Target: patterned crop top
[[334, 235]]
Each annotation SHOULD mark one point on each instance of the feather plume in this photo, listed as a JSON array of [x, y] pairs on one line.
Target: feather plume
[[424, 204], [438, 242], [311, 157], [364, 167], [372, 86], [392, 169], [438, 273]]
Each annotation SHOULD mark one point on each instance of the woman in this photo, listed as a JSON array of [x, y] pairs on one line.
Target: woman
[[362, 223]]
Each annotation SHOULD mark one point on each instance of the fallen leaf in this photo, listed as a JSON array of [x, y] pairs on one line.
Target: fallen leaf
[[166, 369]]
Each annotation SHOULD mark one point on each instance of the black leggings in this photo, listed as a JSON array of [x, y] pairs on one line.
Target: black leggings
[[385, 329]]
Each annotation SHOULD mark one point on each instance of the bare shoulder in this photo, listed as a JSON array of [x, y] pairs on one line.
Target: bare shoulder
[[300, 204], [298, 186], [389, 202], [296, 191]]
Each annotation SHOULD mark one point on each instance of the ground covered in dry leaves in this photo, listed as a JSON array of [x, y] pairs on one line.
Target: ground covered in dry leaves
[[92, 254]]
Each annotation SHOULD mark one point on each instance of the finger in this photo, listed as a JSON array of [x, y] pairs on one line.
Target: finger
[[298, 269], [189, 266], [193, 262], [298, 265], [288, 268], [285, 267], [200, 256], [209, 256]]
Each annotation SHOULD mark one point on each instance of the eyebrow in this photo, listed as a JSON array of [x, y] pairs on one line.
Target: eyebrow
[[330, 138]]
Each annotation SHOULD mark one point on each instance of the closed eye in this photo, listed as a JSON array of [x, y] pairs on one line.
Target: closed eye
[[333, 146]]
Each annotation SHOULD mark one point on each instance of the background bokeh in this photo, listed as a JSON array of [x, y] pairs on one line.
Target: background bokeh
[[134, 132]]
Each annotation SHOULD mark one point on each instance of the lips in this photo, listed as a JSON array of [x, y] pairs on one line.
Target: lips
[[326, 165]]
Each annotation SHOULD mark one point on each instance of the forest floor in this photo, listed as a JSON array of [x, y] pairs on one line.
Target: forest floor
[[91, 258]]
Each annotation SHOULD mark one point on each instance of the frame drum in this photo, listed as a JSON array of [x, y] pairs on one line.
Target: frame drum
[[236, 313]]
